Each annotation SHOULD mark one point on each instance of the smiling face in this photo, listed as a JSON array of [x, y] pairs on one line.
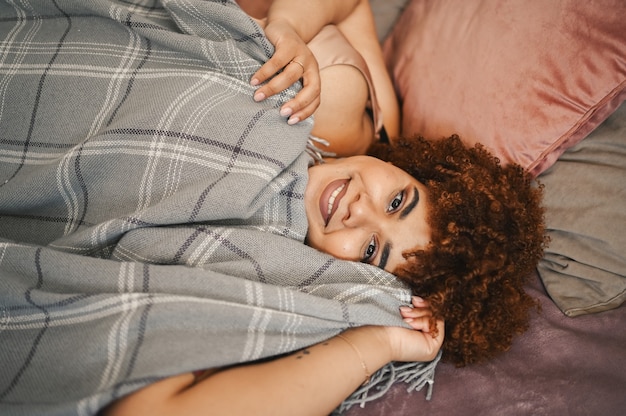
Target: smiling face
[[363, 209]]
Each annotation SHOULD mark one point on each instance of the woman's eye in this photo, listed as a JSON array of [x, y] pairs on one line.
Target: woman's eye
[[370, 251], [396, 202]]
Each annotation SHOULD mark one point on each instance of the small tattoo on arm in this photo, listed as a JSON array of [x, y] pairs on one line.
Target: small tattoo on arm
[[302, 353]]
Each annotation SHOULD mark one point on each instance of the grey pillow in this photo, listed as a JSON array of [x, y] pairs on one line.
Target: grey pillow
[[584, 269], [385, 14]]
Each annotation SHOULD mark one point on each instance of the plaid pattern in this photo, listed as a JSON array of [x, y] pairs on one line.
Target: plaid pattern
[[151, 215]]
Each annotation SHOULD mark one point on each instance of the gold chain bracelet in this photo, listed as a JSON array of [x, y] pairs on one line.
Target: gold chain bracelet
[[358, 353]]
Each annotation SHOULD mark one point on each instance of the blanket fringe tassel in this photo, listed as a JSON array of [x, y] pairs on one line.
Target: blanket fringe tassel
[[417, 375]]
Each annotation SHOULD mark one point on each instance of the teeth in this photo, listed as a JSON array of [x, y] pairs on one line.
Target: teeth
[[333, 196]]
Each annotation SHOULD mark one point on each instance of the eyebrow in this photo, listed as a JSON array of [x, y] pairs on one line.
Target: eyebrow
[[384, 255], [409, 207]]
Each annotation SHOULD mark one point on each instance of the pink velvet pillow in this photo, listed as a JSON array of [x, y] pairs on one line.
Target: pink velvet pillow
[[527, 78]]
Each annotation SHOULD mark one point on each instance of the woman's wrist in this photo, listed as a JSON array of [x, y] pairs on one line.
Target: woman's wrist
[[308, 18], [284, 19], [372, 347], [380, 345]]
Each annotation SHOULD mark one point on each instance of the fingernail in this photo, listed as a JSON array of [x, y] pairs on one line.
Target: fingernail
[[259, 96], [254, 82], [408, 320], [418, 299], [293, 120], [286, 111], [406, 308]]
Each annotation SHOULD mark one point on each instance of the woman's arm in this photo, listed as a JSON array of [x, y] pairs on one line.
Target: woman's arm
[[313, 381], [309, 17], [360, 30], [340, 115]]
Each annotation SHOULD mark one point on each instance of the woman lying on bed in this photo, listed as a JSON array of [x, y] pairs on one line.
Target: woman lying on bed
[[476, 330], [466, 252], [452, 223], [458, 228], [467, 234]]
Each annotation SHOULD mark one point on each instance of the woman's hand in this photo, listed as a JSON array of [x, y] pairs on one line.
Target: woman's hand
[[423, 341], [391, 343], [292, 60], [414, 315]]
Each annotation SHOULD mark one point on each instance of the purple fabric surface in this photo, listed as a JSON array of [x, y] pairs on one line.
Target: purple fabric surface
[[560, 366]]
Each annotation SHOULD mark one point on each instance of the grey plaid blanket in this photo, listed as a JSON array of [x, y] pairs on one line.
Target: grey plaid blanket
[[151, 215]]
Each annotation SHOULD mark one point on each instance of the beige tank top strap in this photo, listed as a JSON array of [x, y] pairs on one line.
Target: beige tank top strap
[[330, 47]]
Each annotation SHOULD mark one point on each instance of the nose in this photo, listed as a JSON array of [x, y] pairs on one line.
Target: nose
[[360, 212]]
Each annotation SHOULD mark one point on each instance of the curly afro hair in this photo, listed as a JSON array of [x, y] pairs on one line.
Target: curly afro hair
[[488, 234]]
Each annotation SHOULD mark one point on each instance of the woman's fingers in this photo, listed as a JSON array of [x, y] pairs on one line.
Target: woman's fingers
[[306, 101], [285, 77], [292, 61], [420, 323], [419, 315], [419, 308], [419, 302], [273, 67], [304, 104]]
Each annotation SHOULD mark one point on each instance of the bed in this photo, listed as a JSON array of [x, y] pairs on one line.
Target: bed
[[572, 361], [120, 296]]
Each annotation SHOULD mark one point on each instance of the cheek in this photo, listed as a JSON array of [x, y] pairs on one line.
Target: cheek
[[343, 245]]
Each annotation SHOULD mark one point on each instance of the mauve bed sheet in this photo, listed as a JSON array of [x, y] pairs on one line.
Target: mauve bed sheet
[[560, 366]]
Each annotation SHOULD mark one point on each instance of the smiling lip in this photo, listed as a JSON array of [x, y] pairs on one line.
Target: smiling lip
[[328, 206]]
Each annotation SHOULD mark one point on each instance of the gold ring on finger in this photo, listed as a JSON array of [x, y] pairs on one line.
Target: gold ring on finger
[[297, 62]]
